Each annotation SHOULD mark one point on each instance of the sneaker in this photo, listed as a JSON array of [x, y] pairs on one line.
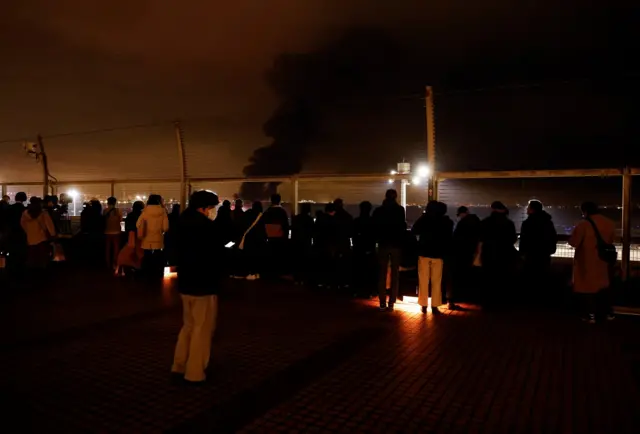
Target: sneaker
[[383, 308], [453, 306], [435, 311], [390, 308], [591, 319]]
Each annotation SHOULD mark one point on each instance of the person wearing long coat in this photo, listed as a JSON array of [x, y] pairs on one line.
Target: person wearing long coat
[[591, 275]]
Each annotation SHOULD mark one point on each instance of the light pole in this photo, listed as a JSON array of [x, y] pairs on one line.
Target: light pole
[[404, 169], [73, 194]]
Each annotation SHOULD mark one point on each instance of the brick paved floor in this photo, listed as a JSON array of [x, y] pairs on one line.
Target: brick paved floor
[[92, 355]]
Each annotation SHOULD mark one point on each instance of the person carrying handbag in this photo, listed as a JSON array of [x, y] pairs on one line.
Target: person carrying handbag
[[592, 262], [40, 231], [253, 242]]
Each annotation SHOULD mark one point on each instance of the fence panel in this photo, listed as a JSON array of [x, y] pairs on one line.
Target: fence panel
[[30, 190], [561, 197]]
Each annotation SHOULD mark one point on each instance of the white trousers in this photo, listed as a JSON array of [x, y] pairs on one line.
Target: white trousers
[[430, 272], [194, 341]]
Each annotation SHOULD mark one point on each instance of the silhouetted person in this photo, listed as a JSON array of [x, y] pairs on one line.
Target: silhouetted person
[[344, 222], [390, 226], [302, 240], [112, 232], [434, 230], [592, 274], [201, 269], [364, 251], [171, 237], [276, 223], [225, 222], [538, 240], [131, 256], [39, 230], [498, 236], [325, 239], [4, 223], [55, 211], [132, 218], [466, 237], [152, 225], [239, 221], [253, 242], [17, 239]]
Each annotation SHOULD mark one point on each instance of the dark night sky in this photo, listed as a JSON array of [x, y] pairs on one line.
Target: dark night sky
[[355, 85]]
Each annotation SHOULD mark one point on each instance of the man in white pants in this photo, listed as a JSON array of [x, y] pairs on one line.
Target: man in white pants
[[435, 232], [201, 266]]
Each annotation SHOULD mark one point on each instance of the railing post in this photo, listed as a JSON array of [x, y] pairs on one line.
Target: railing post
[[296, 195], [183, 165], [626, 223]]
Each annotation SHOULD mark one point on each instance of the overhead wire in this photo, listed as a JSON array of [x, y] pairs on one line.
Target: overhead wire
[[412, 96]]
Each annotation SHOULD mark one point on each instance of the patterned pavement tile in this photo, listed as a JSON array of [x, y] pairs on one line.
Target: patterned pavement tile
[[81, 357]]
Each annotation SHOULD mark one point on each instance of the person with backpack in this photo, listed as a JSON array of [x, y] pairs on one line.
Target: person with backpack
[[253, 243], [112, 232], [593, 261], [276, 224]]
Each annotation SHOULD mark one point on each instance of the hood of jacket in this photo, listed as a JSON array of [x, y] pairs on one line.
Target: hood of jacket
[[541, 215], [153, 211]]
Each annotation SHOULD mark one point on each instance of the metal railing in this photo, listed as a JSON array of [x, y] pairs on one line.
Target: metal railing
[[130, 189]]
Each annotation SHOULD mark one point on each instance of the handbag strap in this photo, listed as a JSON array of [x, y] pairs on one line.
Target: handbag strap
[[595, 229], [43, 227], [255, 222]]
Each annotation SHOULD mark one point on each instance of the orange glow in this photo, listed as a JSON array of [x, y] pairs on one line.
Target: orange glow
[[169, 273]]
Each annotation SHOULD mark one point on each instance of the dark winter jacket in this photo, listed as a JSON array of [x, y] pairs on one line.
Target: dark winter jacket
[[466, 236], [498, 236], [325, 236], [201, 256], [277, 216], [390, 224], [538, 236], [364, 239], [302, 230], [435, 234]]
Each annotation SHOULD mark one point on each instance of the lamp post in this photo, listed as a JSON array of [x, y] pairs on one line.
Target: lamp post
[[73, 194], [404, 169]]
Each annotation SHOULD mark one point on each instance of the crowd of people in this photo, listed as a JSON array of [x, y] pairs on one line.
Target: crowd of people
[[362, 255]]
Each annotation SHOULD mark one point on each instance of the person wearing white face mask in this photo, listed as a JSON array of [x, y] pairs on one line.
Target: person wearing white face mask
[[201, 268]]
